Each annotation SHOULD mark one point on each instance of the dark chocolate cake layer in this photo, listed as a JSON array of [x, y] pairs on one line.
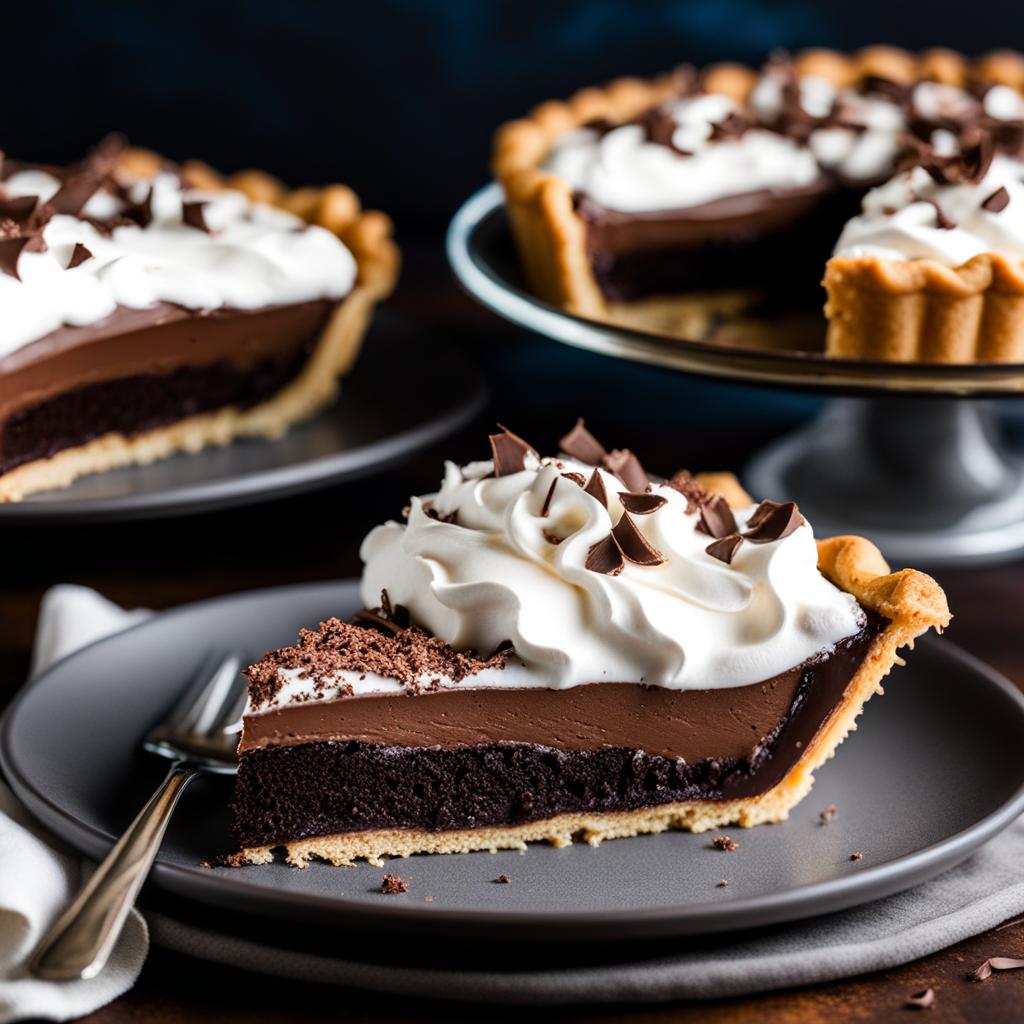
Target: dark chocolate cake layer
[[141, 369], [738, 240], [298, 791]]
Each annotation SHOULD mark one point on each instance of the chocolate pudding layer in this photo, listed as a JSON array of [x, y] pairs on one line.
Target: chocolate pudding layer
[[491, 756], [738, 239], [139, 369]]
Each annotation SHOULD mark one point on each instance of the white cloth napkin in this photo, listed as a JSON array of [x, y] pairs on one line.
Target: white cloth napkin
[[38, 877]]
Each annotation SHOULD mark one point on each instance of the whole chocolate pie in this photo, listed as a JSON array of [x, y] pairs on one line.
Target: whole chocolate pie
[[676, 203], [149, 309], [565, 647]]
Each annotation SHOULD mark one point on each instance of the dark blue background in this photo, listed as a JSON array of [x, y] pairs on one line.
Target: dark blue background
[[397, 97]]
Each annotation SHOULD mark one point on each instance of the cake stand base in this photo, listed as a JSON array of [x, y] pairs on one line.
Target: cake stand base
[[930, 481]]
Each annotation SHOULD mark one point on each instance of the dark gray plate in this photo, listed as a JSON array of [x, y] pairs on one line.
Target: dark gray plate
[[384, 415], [936, 769], [481, 253]]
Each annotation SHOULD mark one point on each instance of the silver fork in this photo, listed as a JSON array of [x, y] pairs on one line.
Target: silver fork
[[199, 735]]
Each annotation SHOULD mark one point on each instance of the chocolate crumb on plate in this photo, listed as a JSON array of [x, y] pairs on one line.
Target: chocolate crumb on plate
[[921, 1000], [725, 843], [995, 963], [503, 879], [856, 855], [723, 884], [826, 817], [392, 885]]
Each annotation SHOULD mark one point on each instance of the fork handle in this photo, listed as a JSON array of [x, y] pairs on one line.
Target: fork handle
[[81, 941]]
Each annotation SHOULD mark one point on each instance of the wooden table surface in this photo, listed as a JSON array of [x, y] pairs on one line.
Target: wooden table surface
[[538, 390]]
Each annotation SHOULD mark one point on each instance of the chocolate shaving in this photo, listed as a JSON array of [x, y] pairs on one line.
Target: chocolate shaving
[[660, 128], [626, 466], [772, 521], [546, 507], [78, 256], [448, 517], [887, 87], [19, 209], [406, 655], [580, 444], [684, 483], [921, 1000], [716, 518], [392, 885], [733, 126], [509, 452], [141, 213], [595, 488], [502, 880], [192, 215], [576, 478], [725, 548], [998, 201], [641, 504], [941, 220], [605, 557], [635, 547], [10, 250], [967, 167], [74, 194]]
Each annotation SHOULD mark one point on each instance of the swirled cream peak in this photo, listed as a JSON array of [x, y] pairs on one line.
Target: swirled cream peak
[[914, 216], [233, 253], [496, 559]]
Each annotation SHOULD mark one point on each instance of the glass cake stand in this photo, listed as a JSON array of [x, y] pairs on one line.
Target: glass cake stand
[[909, 454]]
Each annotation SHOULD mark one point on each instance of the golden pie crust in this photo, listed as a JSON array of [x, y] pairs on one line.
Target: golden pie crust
[[877, 309], [912, 603], [368, 235]]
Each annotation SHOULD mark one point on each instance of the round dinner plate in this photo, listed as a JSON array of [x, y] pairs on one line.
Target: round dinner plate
[[936, 769], [482, 255], [382, 416]]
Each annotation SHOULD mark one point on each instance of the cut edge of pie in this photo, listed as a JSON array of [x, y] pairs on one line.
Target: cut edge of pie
[[911, 602], [368, 234], [917, 321]]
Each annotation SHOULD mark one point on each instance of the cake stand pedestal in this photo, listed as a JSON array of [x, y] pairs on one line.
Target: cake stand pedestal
[[909, 455], [930, 480]]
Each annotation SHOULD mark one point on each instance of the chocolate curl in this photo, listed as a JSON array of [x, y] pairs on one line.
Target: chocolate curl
[[580, 444]]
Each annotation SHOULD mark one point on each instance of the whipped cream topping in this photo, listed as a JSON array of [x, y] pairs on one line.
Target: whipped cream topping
[[491, 560], [914, 217], [792, 132], [622, 170], [252, 256]]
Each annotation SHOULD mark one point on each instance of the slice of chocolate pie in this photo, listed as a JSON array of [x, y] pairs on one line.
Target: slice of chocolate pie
[[565, 647], [150, 309]]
